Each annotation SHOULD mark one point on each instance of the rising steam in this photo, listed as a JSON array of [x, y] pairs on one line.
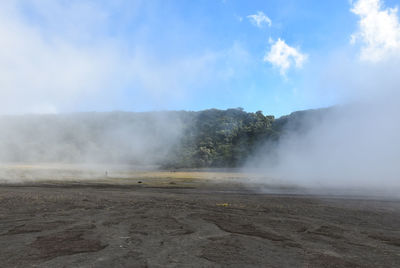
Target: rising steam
[[356, 144]]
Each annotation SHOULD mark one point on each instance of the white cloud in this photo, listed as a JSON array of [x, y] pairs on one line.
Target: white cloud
[[284, 56], [379, 30], [260, 19]]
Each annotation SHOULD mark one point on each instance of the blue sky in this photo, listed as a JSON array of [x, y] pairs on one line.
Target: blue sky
[[68, 56]]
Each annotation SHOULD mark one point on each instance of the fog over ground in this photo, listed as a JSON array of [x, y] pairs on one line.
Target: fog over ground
[[355, 144], [88, 138], [81, 146]]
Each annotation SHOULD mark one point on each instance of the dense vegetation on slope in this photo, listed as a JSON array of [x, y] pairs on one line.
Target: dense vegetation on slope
[[174, 139], [214, 138]]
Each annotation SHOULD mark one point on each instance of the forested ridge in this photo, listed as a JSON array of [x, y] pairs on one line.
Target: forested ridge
[[215, 138], [226, 138], [171, 139]]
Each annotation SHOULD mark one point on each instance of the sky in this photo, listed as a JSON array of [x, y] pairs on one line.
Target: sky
[[61, 56]]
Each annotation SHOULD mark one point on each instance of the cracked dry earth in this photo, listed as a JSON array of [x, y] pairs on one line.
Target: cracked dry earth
[[87, 226]]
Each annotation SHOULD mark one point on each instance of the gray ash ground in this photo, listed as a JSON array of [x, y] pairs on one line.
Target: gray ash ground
[[137, 226]]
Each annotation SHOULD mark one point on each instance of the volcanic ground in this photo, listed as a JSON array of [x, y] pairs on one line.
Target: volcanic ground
[[181, 219]]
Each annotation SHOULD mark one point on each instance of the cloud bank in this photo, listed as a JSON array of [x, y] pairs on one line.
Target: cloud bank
[[42, 70], [66, 56]]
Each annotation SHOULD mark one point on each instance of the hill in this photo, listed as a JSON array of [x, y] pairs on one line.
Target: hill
[[174, 139]]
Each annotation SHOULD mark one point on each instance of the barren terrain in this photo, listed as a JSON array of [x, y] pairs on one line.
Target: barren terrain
[[169, 219]]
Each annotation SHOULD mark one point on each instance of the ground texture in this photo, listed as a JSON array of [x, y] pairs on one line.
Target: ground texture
[[104, 225]]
